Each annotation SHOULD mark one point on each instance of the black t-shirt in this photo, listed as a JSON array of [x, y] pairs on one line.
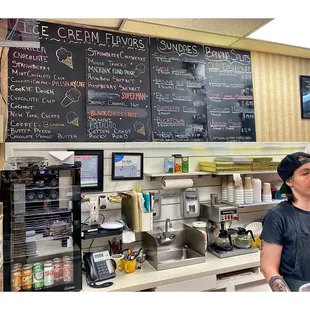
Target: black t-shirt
[[279, 227]]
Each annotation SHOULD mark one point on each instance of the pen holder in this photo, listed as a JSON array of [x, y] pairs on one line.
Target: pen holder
[[118, 261], [130, 265]]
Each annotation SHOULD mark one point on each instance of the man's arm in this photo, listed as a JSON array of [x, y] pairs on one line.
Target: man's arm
[[270, 258]]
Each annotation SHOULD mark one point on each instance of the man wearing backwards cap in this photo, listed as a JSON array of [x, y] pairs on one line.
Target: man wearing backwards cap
[[285, 247]]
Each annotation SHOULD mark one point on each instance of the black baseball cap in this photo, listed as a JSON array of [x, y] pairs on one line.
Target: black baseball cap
[[289, 164]]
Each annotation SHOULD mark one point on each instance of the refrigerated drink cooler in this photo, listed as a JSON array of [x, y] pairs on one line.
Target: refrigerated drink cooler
[[41, 229]]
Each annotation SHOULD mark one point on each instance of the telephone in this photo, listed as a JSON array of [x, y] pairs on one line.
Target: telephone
[[98, 268]]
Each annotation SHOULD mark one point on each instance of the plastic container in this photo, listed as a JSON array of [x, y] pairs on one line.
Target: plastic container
[[185, 164], [177, 163], [202, 227]]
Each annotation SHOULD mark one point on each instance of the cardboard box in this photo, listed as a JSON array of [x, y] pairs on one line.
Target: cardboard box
[[169, 164]]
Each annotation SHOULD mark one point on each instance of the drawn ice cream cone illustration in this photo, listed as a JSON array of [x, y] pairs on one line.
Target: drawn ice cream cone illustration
[[140, 68], [72, 95], [139, 128], [68, 62], [64, 57], [72, 118]]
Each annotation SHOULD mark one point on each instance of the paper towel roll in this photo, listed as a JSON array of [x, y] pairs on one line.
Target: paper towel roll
[[177, 183], [257, 190]]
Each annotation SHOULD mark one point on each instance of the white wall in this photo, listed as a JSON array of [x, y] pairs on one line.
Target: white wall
[[154, 153]]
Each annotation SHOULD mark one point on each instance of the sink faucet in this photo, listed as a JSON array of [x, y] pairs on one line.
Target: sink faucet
[[166, 227], [164, 238]]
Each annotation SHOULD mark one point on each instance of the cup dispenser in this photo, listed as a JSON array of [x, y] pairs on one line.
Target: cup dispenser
[[189, 204]]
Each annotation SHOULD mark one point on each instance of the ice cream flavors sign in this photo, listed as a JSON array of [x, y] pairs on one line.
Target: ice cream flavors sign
[[71, 35], [46, 99], [80, 85], [117, 95]]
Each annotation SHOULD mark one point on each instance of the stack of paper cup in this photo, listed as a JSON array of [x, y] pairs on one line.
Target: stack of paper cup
[[230, 189], [267, 197], [239, 193], [257, 190], [224, 188], [248, 190]]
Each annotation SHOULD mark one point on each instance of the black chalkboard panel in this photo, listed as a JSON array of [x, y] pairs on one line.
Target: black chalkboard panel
[[47, 91], [230, 102], [177, 91], [91, 85], [118, 88], [47, 87]]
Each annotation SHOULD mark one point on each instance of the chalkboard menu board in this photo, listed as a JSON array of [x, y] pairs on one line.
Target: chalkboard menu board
[[47, 87], [90, 85], [177, 91], [118, 87], [230, 103], [47, 91]]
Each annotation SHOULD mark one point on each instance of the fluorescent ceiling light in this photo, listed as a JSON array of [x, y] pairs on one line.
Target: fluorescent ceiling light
[[288, 31]]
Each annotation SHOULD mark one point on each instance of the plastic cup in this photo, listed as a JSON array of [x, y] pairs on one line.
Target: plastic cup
[[305, 288]]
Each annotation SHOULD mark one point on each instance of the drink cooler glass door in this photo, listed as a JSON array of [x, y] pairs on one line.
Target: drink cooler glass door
[[43, 237]]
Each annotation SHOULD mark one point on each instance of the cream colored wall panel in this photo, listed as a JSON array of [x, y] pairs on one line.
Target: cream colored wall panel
[[119, 186], [276, 97], [269, 47], [171, 211]]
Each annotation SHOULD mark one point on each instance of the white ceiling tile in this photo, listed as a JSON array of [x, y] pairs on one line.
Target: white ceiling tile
[[98, 22], [237, 27]]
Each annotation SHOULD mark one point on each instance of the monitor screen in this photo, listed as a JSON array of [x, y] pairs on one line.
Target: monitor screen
[[91, 169]]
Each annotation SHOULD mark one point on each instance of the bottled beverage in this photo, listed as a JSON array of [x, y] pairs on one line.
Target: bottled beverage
[[38, 276], [48, 274], [58, 267], [68, 271], [16, 280], [27, 277], [18, 266]]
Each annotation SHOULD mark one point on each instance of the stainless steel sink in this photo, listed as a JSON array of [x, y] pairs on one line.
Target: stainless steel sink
[[176, 255], [188, 248]]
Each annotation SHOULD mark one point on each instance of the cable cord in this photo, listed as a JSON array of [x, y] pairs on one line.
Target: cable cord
[[95, 285]]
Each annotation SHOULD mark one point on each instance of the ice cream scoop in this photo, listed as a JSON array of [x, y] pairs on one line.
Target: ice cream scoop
[[139, 127], [72, 118], [64, 57], [140, 68]]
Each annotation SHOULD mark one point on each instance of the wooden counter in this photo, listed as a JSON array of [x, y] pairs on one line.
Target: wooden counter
[[148, 277]]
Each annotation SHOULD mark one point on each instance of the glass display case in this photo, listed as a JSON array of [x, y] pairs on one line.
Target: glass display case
[[42, 229]]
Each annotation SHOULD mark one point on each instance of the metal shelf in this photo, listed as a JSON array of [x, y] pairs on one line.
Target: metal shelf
[[244, 172], [172, 175], [263, 203], [44, 211]]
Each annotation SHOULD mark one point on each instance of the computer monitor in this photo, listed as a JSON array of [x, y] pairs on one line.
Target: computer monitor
[[91, 169]]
